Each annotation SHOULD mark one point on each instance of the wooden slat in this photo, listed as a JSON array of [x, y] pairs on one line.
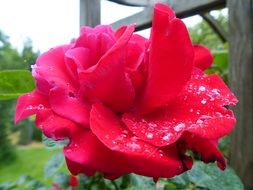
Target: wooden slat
[[241, 81], [139, 3], [218, 29], [89, 12], [183, 8]]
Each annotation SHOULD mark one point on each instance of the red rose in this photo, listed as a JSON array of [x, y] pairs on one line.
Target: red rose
[[128, 104]]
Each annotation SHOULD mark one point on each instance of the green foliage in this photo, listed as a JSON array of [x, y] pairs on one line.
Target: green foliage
[[220, 64], [50, 143], [14, 83], [205, 176], [53, 165], [10, 58], [7, 153], [29, 161], [202, 33], [25, 182]]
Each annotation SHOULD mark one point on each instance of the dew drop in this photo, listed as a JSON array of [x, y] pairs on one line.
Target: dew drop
[[218, 114], [179, 127], [167, 137], [152, 125], [149, 135], [40, 107], [203, 101], [202, 88], [216, 91], [133, 146], [199, 121], [134, 138], [30, 107]]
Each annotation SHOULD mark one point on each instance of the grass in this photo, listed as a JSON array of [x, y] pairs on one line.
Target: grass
[[30, 161]]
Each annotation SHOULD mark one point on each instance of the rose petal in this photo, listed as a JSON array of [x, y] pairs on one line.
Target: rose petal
[[108, 128], [202, 57], [207, 149], [51, 67], [135, 51], [107, 81], [98, 40], [198, 109], [77, 58], [76, 168], [54, 126], [70, 105], [85, 149], [29, 104], [97, 30], [170, 61]]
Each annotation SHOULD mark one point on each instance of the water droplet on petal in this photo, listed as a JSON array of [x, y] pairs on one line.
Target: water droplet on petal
[[203, 101], [179, 127], [30, 107], [202, 88], [167, 137], [133, 146], [149, 135], [152, 125], [40, 107], [216, 91], [199, 121]]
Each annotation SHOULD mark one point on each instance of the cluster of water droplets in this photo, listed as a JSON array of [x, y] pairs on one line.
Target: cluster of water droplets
[[38, 107]]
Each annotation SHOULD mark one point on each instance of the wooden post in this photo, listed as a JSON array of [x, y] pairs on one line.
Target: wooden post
[[89, 12], [241, 80]]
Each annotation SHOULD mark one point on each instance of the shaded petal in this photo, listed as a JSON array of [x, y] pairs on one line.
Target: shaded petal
[[170, 61], [77, 58], [202, 57], [107, 80], [197, 109], [135, 51], [54, 126], [207, 149], [29, 104], [76, 168], [161, 162], [85, 149], [68, 104]]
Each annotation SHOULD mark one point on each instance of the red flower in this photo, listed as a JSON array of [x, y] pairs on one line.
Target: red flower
[[73, 181], [128, 104]]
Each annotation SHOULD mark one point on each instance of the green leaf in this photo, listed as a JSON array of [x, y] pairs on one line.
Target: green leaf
[[209, 176], [50, 143], [141, 183], [13, 83], [53, 165], [220, 64], [221, 59], [62, 180]]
